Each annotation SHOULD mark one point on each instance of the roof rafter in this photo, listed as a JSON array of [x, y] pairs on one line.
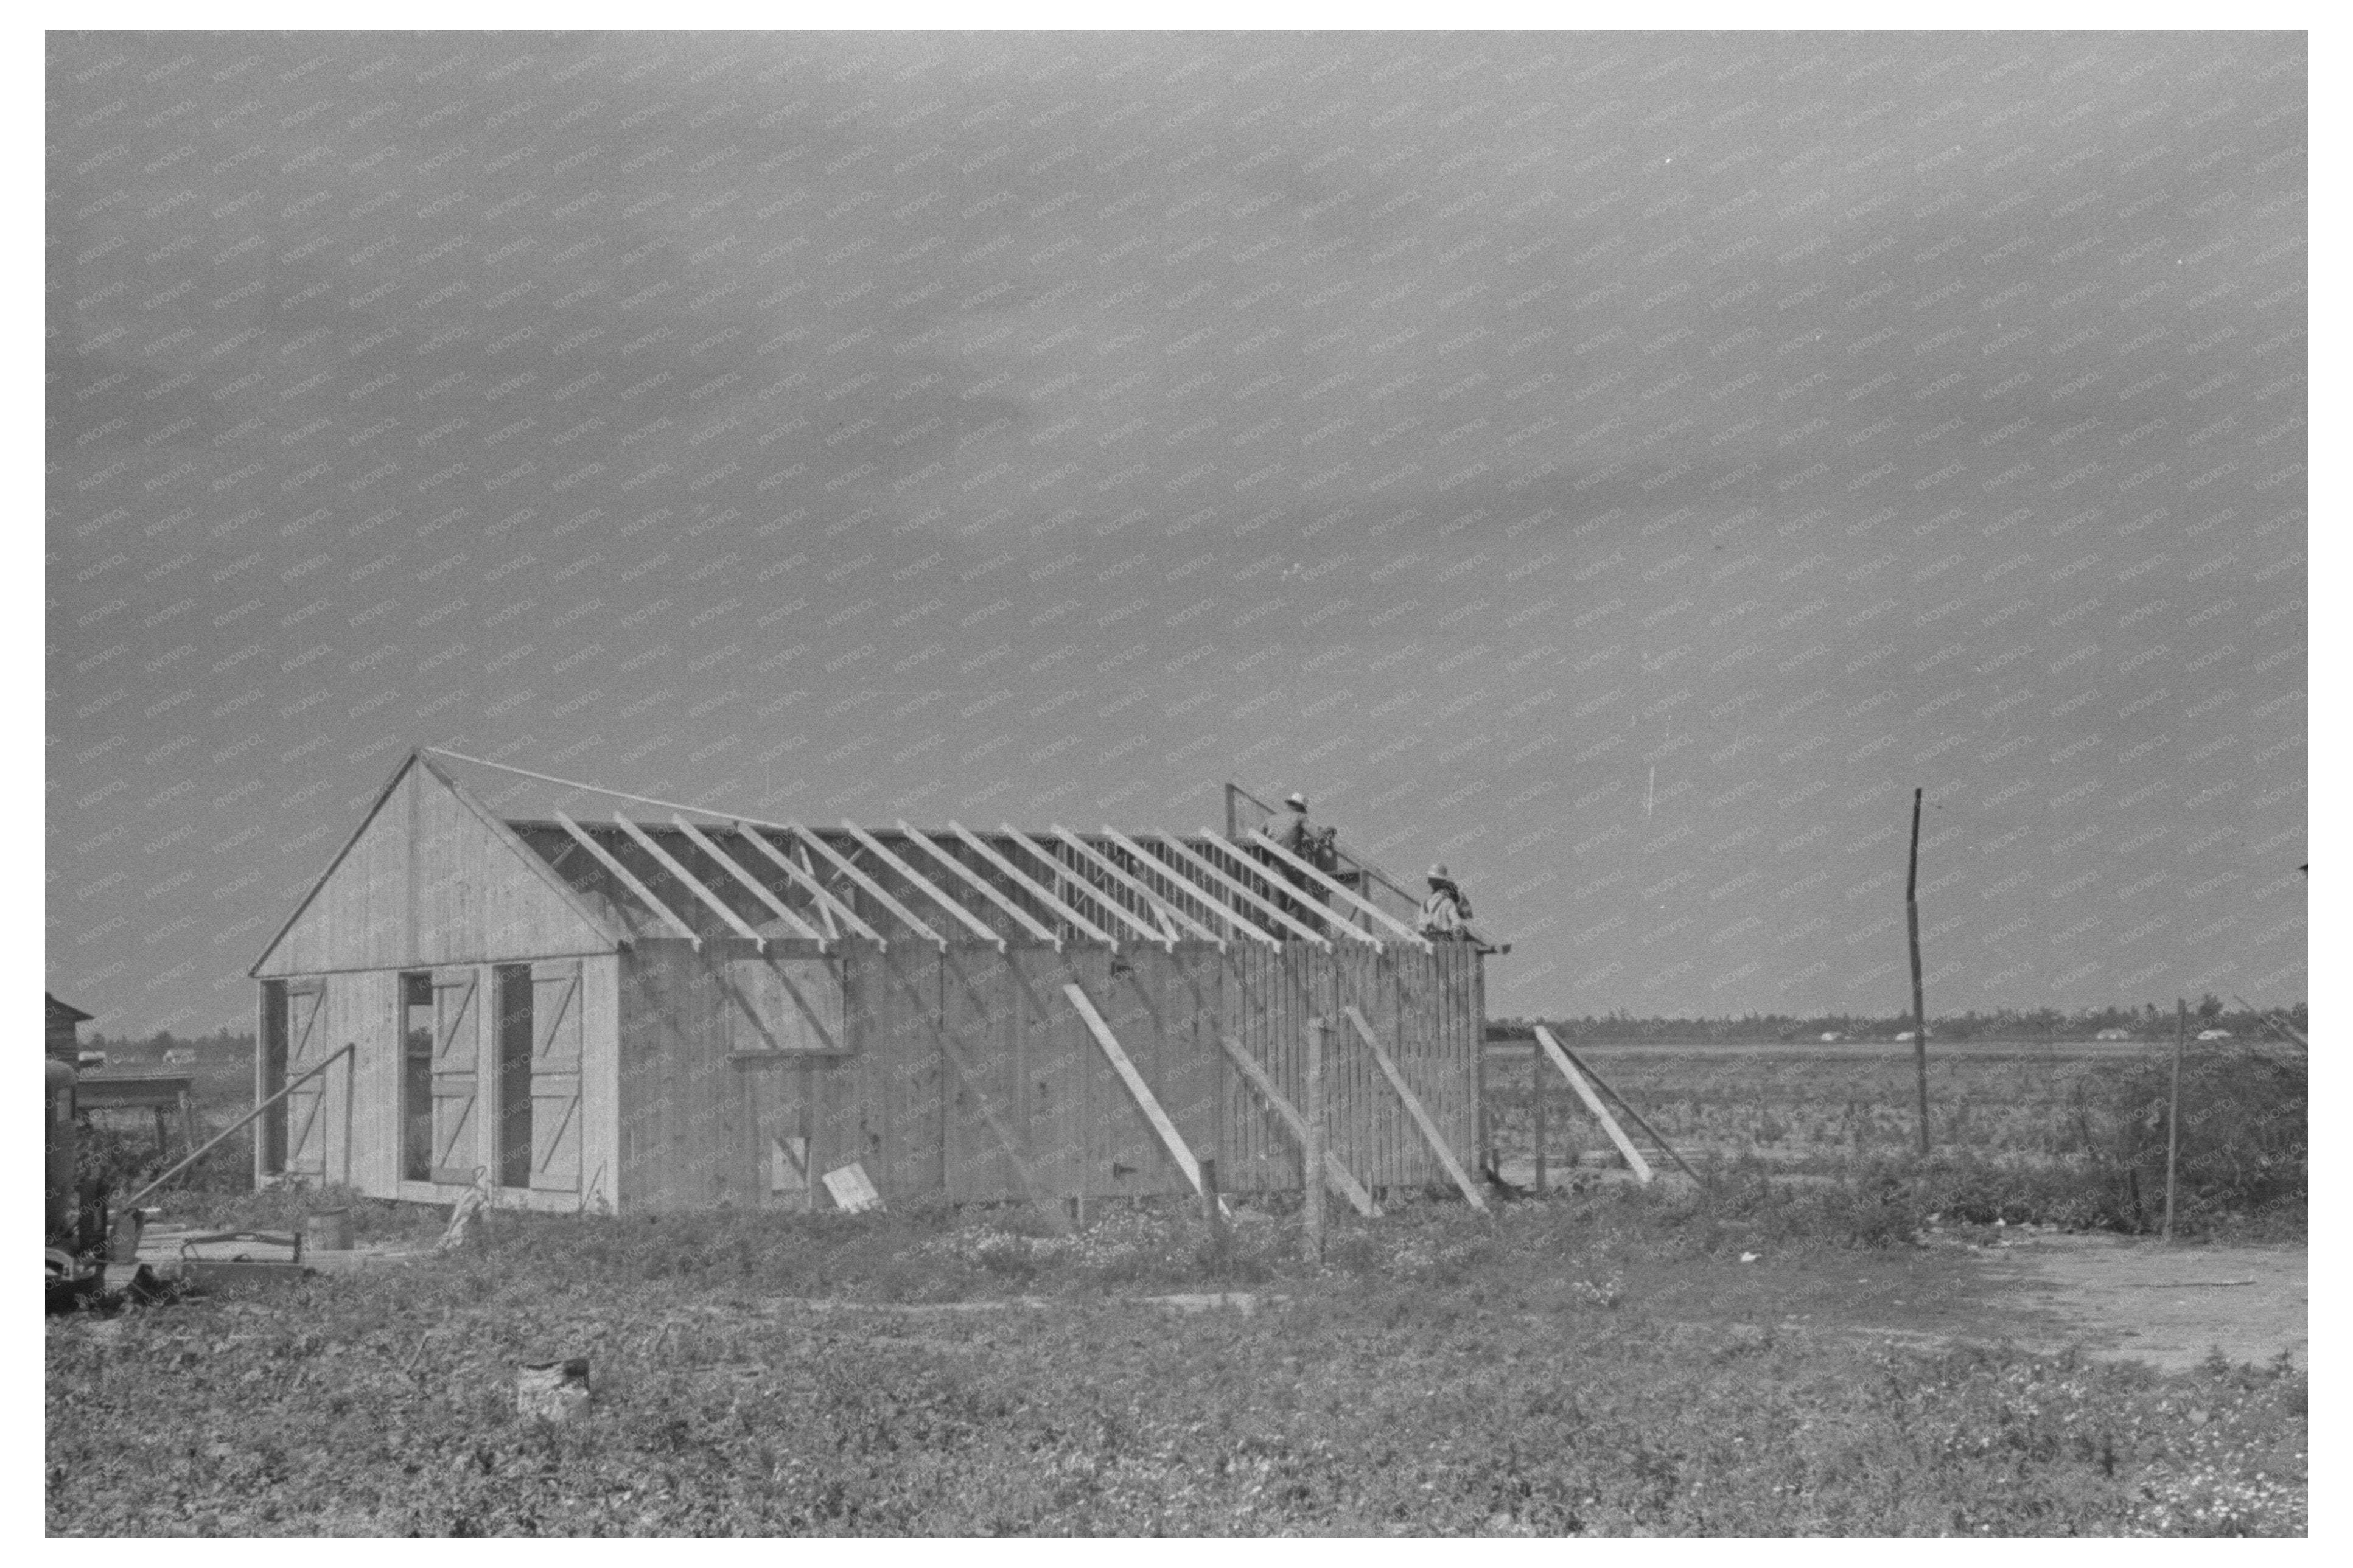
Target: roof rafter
[[671, 863], [782, 910], [989, 852], [1370, 907], [1158, 937], [970, 920], [907, 916], [1203, 863], [1111, 869], [628, 880], [1036, 928], [1160, 868], [806, 879]]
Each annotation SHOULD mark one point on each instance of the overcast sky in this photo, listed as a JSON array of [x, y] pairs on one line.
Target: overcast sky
[[1620, 466]]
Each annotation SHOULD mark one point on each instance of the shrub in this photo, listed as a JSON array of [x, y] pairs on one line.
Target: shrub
[[2242, 1142]]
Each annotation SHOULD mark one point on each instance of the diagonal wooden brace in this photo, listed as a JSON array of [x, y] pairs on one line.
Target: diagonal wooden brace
[[1413, 1108], [1335, 1174], [1137, 1087], [1634, 1160]]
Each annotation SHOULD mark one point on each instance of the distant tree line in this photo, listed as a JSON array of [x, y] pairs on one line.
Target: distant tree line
[[2149, 1021], [223, 1041]]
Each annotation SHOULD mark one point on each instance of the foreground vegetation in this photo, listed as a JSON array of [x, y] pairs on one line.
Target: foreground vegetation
[[1606, 1362]]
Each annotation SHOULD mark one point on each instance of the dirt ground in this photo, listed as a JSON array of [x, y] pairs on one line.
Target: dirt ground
[[2135, 1299]]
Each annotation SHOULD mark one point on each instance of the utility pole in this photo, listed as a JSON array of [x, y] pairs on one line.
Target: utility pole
[[1919, 1001], [2173, 1111]]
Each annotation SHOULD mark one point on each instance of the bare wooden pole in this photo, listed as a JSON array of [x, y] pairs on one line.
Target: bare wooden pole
[[2173, 1111], [1311, 1188], [1919, 1001], [1536, 1082], [1212, 1216], [133, 1201]]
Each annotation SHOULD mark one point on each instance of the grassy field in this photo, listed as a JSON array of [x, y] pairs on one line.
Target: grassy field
[[2026, 1131], [1803, 1109], [1600, 1363]]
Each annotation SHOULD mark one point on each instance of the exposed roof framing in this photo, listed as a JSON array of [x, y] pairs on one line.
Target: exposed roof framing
[[1163, 870], [988, 890], [759, 890], [628, 880], [805, 877], [1370, 907], [1113, 906], [980, 846], [881, 895], [699, 874], [1168, 914], [972, 921]]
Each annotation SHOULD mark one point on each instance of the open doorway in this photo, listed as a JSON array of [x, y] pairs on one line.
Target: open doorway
[[514, 1045], [271, 1133], [416, 1078]]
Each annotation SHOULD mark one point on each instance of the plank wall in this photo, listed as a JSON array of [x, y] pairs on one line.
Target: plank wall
[[698, 1125]]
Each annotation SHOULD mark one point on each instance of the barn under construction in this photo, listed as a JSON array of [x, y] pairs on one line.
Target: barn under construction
[[678, 1008]]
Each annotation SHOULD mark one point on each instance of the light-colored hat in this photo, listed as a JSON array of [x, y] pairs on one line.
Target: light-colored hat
[[1295, 798], [1438, 873]]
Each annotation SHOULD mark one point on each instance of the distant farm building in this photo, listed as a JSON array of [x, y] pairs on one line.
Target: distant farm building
[[62, 1041], [682, 1009]]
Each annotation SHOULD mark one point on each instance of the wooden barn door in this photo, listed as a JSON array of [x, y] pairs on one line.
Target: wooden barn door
[[457, 1073], [555, 1075], [304, 1128]]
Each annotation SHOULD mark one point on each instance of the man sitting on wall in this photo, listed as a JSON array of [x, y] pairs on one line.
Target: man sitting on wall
[[1445, 913]]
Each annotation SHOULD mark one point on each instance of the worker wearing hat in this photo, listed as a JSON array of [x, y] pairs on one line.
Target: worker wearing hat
[[1445, 913], [1289, 828]]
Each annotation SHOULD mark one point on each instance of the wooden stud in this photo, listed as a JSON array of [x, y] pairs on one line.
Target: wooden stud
[[1202, 863], [1157, 904], [1413, 1108], [1311, 1214], [1634, 1160], [1207, 899], [628, 880], [988, 889], [776, 906], [694, 883], [1374, 909], [905, 915], [989, 853], [971, 921], [1045, 854], [1336, 1172], [1137, 1087]]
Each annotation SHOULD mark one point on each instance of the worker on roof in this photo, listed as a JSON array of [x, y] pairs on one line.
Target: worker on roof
[[1445, 913], [1289, 827]]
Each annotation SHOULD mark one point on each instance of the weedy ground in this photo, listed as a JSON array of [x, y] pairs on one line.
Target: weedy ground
[[2029, 1132], [1601, 1362]]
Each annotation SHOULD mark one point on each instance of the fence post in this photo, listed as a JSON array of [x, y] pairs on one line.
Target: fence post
[[1212, 1215], [1536, 1080], [1312, 1185]]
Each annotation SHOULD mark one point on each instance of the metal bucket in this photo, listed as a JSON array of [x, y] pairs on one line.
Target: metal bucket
[[551, 1390], [327, 1230]]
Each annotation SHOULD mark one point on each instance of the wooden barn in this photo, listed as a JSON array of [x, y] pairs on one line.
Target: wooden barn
[[671, 1007]]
